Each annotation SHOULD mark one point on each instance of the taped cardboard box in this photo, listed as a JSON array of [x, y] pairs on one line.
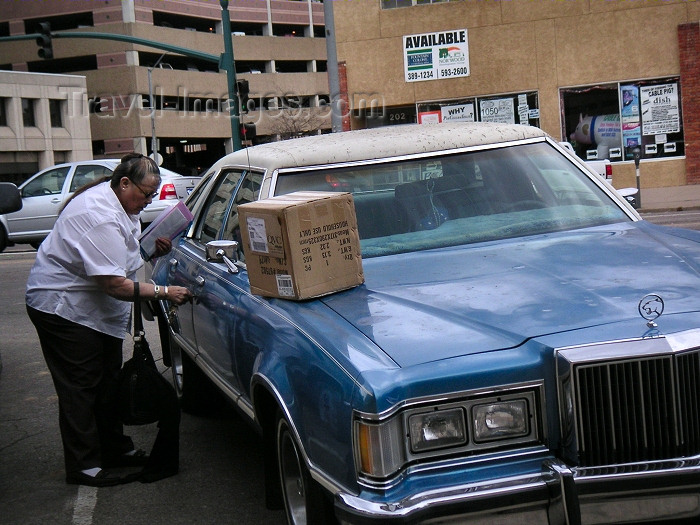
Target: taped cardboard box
[[301, 245]]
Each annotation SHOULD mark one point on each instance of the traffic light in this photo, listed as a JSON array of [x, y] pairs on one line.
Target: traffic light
[[248, 131], [243, 90], [44, 41]]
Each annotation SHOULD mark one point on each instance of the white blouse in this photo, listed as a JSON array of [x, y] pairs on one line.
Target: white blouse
[[92, 236]]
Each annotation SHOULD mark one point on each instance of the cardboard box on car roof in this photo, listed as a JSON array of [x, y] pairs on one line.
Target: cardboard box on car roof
[[301, 245]]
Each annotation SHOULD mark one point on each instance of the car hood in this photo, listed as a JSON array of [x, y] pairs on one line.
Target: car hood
[[434, 305]]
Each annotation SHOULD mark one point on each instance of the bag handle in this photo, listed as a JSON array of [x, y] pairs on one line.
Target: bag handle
[[138, 321], [141, 349]]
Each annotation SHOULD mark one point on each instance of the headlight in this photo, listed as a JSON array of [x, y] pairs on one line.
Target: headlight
[[450, 426], [500, 420], [437, 429]]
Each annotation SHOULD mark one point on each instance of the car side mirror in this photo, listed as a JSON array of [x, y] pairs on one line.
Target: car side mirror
[[223, 251], [10, 198]]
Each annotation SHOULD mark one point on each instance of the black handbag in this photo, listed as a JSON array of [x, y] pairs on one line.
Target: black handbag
[[142, 390]]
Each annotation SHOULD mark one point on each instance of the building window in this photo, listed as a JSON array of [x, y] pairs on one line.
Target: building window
[[55, 107], [391, 4], [608, 121], [3, 111], [516, 108], [28, 117]]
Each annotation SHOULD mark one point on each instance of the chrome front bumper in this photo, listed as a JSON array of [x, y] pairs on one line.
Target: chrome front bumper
[[668, 490]]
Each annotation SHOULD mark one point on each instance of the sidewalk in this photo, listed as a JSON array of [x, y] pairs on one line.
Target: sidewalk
[[672, 198]]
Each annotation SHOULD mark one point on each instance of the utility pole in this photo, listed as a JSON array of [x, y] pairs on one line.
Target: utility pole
[[332, 67], [229, 66]]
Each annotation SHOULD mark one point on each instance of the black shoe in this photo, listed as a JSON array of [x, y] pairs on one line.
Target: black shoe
[[101, 479], [137, 459]]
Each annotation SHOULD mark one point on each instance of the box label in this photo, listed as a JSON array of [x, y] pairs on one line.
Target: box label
[[257, 234], [284, 285]]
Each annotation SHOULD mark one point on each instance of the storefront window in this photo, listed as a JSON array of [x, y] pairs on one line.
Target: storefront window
[[608, 121], [517, 108]]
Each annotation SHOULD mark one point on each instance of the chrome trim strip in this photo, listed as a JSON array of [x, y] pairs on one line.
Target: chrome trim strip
[[412, 156], [606, 351], [637, 470], [684, 340], [448, 397], [515, 485], [473, 461]]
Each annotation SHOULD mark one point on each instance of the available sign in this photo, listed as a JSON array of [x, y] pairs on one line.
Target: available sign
[[433, 56]]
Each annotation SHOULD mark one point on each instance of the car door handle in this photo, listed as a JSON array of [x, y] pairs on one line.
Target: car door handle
[[200, 285], [172, 263], [55, 201]]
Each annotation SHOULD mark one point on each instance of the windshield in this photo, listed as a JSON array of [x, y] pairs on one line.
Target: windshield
[[420, 204]]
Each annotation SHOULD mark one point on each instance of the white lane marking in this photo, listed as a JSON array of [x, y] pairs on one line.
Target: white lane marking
[[84, 505]]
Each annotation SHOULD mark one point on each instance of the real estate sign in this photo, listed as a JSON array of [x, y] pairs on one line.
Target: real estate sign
[[434, 56]]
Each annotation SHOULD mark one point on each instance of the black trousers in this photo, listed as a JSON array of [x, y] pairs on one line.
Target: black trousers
[[84, 365]]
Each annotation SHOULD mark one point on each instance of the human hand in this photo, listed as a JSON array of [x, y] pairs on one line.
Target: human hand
[[178, 295], [163, 246]]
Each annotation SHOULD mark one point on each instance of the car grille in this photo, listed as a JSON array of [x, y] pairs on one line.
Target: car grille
[[636, 410]]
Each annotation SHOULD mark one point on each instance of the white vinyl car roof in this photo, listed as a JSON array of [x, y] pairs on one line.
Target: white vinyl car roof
[[388, 141]]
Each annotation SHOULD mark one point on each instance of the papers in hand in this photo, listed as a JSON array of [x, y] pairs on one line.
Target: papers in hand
[[171, 223]]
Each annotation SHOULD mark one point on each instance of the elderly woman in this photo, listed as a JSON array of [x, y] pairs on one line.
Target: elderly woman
[[79, 295]]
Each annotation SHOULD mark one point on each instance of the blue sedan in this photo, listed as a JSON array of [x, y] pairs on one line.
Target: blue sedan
[[525, 348]]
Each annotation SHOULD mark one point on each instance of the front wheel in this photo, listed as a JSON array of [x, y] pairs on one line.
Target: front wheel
[[305, 502]]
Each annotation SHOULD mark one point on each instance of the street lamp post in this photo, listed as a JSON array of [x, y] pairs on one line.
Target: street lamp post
[[154, 147]]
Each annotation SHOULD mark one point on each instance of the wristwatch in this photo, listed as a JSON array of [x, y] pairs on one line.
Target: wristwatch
[[156, 291]]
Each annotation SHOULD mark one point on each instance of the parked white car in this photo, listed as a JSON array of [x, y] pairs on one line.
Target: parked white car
[[44, 194], [603, 168]]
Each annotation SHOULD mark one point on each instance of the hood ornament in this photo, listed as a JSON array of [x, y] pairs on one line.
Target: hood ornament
[[651, 306]]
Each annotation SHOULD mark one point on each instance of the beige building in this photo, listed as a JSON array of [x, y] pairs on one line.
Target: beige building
[[606, 75], [279, 48], [43, 121]]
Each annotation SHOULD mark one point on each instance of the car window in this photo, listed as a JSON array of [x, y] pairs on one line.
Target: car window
[[86, 174], [198, 189], [48, 183], [217, 206], [423, 203], [248, 191]]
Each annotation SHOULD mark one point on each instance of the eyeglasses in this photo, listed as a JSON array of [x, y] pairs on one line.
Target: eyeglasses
[[146, 194]]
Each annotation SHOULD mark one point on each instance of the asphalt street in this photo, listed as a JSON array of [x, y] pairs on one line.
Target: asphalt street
[[220, 479]]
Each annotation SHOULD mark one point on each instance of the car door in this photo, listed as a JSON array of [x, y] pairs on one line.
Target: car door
[[42, 198], [187, 265], [218, 309]]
